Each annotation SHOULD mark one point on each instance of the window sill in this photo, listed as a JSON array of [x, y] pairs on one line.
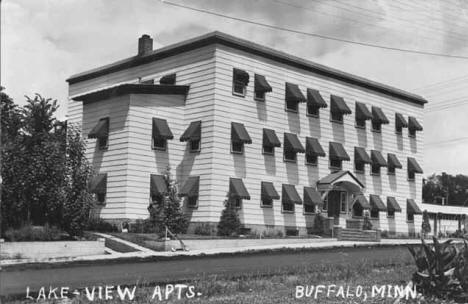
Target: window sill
[[195, 151], [391, 173], [375, 174], [159, 149], [291, 110], [360, 127], [192, 207], [268, 153], [391, 217], [312, 115], [411, 180], [287, 211], [309, 213], [410, 222], [377, 131], [103, 148], [398, 133], [291, 161], [311, 164], [335, 168], [360, 171], [237, 152], [238, 94], [259, 99], [266, 206], [412, 136], [336, 121]]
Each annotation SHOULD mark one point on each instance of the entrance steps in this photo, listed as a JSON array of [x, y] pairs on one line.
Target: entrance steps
[[357, 235]]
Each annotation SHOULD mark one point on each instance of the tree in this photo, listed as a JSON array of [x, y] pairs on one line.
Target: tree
[[318, 224], [452, 189], [229, 223], [425, 226], [167, 212]]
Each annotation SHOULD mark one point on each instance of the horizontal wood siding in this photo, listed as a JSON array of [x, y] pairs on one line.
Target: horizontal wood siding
[[253, 167]]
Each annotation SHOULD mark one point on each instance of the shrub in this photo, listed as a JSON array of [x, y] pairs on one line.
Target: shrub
[[229, 224], [384, 233], [318, 225], [425, 226], [34, 233], [367, 225], [203, 229], [100, 225], [143, 226]]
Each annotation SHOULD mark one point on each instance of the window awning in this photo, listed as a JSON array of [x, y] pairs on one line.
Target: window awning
[[314, 99], [190, 188], [290, 194], [99, 184], [100, 130], [362, 112], [168, 79], [400, 121], [237, 189], [379, 116], [261, 85], [361, 156], [413, 166], [312, 197], [376, 203], [412, 207], [193, 132], [392, 204], [292, 143], [313, 147], [270, 139], [161, 129], [239, 133], [336, 151], [241, 75], [293, 93], [378, 159], [362, 201], [157, 185], [268, 191], [338, 105], [393, 161], [413, 124]]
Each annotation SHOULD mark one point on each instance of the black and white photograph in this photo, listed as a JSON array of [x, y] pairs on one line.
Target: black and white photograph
[[250, 151]]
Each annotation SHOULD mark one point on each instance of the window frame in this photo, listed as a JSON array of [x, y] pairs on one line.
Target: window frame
[[391, 170], [314, 208], [158, 148], [238, 202], [343, 202], [360, 124], [288, 109], [336, 117], [189, 201], [261, 98], [375, 128], [288, 211], [263, 200], [411, 133], [411, 176], [233, 151], [409, 217], [374, 212], [398, 130], [289, 160], [325, 203], [98, 197], [311, 163], [103, 146], [375, 170], [390, 213], [237, 84], [359, 169], [330, 166], [315, 114], [198, 149], [267, 152]]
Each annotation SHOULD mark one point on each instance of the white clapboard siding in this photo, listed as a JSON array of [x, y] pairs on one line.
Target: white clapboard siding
[[254, 167]]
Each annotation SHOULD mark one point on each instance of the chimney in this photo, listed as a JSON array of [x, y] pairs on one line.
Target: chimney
[[145, 45]]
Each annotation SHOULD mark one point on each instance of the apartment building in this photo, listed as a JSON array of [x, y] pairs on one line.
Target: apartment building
[[281, 137]]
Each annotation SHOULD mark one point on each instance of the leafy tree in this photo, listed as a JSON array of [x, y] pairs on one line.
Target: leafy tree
[[168, 212], [453, 188], [229, 224], [425, 226]]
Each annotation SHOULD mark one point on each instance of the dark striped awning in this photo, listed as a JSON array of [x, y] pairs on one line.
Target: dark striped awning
[[313, 147], [392, 204], [99, 184], [190, 188], [101, 129], [376, 203], [362, 112], [314, 99], [412, 207], [157, 185], [312, 197], [361, 156], [413, 124], [293, 93], [237, 189], [338, 105], [168, 79], [378, 116], [268, 191], [161, 129], [261, 85], [292, 143], [241, 75], [393, 161], [239, 133], [362, 201], [336, 151], [193, 132], [290, 195], [400, 121], [270, 139], [413, 166], [378, 159]]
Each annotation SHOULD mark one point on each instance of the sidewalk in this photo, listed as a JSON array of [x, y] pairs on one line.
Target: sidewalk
[[323, 243]]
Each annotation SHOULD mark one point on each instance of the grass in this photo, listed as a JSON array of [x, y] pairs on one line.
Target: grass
[[119, 247], [278, 285]]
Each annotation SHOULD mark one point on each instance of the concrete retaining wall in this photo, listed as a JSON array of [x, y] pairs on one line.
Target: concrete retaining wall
[[37, 250]]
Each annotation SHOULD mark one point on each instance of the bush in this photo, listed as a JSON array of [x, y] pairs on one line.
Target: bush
[[35, 233], [203, 229], [425, 226], [100, 225], [318, 225], [143, 226], [367, 225], [229, 224], [384, 233]]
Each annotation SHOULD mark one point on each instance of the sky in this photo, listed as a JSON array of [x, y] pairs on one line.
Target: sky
[[43, 42]]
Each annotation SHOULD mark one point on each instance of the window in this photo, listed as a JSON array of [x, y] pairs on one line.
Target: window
[[411, 176], [336, 117], [101, 133], [288, 206], [335, 164], [102, 143], [292, 105], [237, 147], [325, 203], [159, 143], [390, 213], [374, 213], [375, 169], [195, 145], [376, 126], [409, 217], [398, 129], [267, 202], [411, 132], [343, 202], [290, 155], [309, 208], [268, 150], [240, 79], [192, 202], [313, 110], [359, 167], [237, 203], [391, 170], [360, 123], [259, 95], [101, 197], [311, 159]]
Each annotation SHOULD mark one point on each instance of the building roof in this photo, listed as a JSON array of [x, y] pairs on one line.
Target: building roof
[[252, 48]]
